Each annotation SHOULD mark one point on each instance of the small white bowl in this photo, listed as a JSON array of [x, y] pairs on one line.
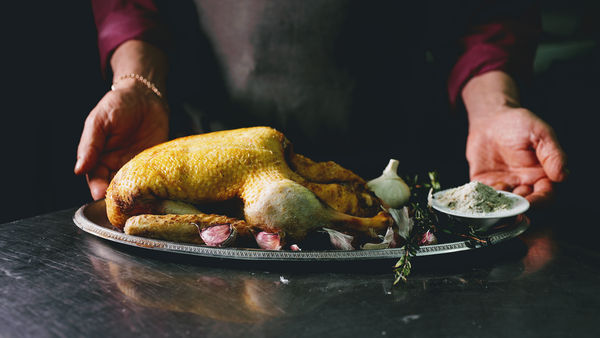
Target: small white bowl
[[484, 221]]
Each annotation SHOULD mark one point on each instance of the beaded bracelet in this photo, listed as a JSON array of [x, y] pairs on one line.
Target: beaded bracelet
[[139, 78]]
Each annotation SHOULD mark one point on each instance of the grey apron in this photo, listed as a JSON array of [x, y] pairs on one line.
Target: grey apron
[[357, 82]]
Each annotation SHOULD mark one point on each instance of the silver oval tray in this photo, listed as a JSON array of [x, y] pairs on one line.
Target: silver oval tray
[[92, 219]]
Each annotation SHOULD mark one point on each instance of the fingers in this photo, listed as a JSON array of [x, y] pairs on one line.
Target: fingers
[[98, 181], [91, 143], [551, 155], [499, 180], [523, 190], [501, 186], [542, 192], [538, 193]]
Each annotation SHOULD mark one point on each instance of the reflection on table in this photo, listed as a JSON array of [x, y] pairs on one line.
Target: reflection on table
[[254, 296]]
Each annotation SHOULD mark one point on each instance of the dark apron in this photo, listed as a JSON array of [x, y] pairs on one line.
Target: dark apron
[[357, 82]]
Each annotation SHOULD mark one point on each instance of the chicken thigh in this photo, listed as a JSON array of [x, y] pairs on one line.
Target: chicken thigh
[[169, 191]]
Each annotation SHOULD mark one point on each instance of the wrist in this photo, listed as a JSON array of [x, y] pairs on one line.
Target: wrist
[[489, 94], [125, 84], [144, 60], [132, 80]]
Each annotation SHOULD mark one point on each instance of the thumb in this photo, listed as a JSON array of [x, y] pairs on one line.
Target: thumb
[[91, 143], [551, 155]]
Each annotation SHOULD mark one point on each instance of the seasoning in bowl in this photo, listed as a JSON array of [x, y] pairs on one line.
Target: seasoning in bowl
[[478, 204], [475, 198]]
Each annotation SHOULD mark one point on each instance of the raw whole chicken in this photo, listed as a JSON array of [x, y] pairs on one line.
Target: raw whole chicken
[[245, 184]]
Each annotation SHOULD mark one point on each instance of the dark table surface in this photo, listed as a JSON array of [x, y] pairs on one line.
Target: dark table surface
[[56, 280]]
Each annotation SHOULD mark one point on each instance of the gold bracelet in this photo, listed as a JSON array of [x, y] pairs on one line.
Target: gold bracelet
[[139, 78]]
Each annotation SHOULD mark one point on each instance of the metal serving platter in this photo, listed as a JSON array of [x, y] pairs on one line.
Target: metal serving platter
[[92, 219]]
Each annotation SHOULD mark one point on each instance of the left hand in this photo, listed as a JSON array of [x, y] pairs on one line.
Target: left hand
[[515, 150]]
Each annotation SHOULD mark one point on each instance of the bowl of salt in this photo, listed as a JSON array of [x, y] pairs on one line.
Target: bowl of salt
[[478, 205]]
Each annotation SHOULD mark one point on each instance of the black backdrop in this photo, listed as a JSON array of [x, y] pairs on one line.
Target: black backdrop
[[51, 81]]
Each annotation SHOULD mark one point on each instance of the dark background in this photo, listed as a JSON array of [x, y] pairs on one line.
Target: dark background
[[52, 80]]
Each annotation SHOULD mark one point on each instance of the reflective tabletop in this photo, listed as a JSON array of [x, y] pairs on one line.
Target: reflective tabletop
[[58, 281]]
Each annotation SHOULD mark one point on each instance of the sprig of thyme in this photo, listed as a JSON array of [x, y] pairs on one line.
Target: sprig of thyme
[[402, 267], [425, 219]]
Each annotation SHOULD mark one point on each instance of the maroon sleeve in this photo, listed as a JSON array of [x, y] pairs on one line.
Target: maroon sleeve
[[120, 20], [501, 44]]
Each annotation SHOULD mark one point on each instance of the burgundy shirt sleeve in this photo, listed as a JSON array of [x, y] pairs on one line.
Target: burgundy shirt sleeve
[[508, 45], [120, 20]]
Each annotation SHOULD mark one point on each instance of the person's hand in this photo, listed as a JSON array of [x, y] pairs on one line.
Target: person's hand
[[126, 121], [515, 150]]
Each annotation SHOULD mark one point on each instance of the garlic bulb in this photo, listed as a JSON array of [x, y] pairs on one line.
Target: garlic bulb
[[390, 187]]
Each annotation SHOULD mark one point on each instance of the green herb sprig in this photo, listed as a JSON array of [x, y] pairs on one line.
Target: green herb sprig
[[425, 219]]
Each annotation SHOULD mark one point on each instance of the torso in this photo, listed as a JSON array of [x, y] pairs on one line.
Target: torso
[[344, 80]]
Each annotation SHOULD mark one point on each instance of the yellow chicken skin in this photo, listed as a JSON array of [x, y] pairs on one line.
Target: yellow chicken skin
[[164, 192]]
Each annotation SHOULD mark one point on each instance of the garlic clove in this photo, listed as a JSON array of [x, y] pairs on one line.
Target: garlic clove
[[340, 240], [218, 235], [387, 241], [268, 240], [428, 238], [403, 221], [389, 187]]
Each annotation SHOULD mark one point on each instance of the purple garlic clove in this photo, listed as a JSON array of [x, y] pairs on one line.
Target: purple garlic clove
[[218, 235], [428, 239], [268, 240]]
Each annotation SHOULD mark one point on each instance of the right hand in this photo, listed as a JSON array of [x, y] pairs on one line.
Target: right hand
[[126, 121], [515, 150]]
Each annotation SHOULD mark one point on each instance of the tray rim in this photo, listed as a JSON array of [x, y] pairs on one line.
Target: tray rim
[[89, 226]]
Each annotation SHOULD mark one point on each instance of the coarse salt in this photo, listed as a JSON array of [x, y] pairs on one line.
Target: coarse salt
[[474, 198]]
